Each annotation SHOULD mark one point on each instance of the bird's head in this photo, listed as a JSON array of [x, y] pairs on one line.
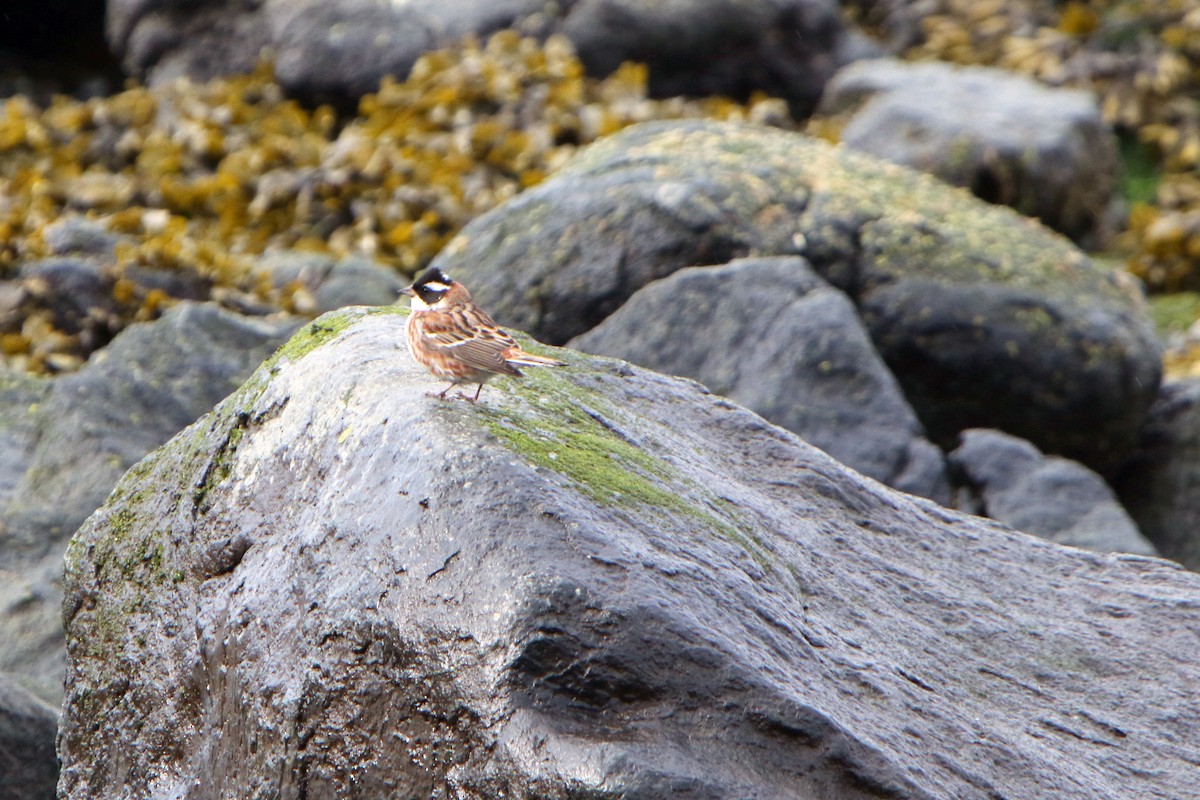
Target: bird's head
[[432, 288]]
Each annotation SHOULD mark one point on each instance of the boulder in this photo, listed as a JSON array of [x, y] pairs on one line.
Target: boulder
[[319, 283], [1047, 152], [342, 49], [595, 582], [64, 443], [1010, 480], [786, 48], [77, 295], [985, 318], [1160, 484], [771, 335], [28, 728]]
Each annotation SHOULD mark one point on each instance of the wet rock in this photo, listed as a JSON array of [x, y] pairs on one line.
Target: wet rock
[[1160, 485], [64, 443], [1011, 481], [985, 318], [1044, 151], [772, 336], [597, 582]]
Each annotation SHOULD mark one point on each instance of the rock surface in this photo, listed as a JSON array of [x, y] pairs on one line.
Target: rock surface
[[1011, 481], [28, 727], [772, 336], [985, 318], [1160, 486], [1044, 151], [343, 48], [597, 582], [64, 443]]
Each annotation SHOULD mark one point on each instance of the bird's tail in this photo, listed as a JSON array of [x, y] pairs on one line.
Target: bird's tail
[[520, 358]]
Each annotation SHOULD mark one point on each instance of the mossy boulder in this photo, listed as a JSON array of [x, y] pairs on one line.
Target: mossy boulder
[[597, 582], [986, 318]]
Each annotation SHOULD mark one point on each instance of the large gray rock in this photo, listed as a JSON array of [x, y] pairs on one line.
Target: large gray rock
[[772, 336], [597, 582], [28, 728], [342, 48], [986, 319], [1160, 485], [320, 283], [1009, 480], [1047, 152], [64, 444]]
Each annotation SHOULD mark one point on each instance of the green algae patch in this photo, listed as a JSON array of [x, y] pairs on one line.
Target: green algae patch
[[562, 428], [558, 425], [325, 329]]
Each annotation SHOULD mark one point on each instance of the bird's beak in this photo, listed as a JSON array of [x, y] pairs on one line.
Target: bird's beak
[[407, 291]]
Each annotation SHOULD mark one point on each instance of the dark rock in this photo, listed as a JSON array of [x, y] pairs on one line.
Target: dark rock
[[1160, 485], [55, 47], [787, 48], [66, 442], [174, 283], [986, 319], [772, 336], [78, 293], [1060, 500], [164, 39], [1044, 151], [343, 49], [28, 727], [597, 582]]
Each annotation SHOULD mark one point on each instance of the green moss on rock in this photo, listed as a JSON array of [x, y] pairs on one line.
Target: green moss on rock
[[560, 424]]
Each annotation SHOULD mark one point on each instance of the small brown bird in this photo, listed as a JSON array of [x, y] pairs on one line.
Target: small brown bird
[[456, 340]]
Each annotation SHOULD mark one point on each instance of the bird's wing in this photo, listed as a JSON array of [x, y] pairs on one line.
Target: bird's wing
[[472, 337]]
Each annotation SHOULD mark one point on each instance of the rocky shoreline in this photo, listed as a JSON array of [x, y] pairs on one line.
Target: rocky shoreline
[[159, 243]]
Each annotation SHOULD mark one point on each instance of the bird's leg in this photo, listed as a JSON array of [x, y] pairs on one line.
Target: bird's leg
[[442, 395], [478, 389]]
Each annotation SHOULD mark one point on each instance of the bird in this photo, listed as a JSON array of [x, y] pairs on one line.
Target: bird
[[456, 340]]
